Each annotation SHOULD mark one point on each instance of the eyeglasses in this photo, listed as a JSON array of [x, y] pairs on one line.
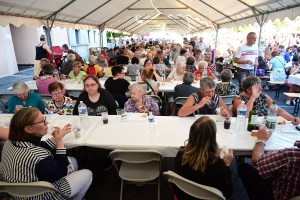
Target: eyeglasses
[[122, 73], [92, 85], [56, 94], [148, 63], [44, 121]]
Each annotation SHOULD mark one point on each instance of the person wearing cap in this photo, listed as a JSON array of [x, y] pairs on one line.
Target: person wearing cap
[[182, 57]]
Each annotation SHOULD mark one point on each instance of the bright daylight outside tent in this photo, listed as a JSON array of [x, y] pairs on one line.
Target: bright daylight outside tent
[[142, 16]]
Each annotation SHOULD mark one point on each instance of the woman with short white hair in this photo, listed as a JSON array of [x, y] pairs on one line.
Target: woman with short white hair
[[140, 103], [92, 68], [177, 75], [23, 98]]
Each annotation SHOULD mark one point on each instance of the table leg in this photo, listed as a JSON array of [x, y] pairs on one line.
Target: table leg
[[277, 91], [296, 109]]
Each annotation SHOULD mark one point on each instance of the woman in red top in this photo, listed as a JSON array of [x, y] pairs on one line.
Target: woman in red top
[[202, 68]]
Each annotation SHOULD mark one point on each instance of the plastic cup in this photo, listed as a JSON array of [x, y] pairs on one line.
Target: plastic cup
[[227, 122], [120, 111], [105, 117], [76, 128]]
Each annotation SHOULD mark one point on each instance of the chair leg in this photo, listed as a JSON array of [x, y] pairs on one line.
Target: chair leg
[[158, 183], [121, 194]]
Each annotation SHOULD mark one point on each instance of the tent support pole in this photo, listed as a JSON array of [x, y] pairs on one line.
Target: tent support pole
[[101, 30], [216, 42]]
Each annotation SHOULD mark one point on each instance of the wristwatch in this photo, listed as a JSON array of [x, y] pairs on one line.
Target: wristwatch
[[258, 141]]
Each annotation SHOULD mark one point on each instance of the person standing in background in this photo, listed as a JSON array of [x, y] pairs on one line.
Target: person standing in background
[[40, 52]]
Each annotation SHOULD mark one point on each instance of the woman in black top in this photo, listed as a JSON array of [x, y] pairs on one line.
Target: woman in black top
[[96, 99], [117, 84], [199, 160]]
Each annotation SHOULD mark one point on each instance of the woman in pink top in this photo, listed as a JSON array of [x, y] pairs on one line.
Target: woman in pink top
[[43, 82]]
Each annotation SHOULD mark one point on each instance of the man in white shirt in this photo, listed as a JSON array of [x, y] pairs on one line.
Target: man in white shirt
[[202, 45], [246, 58]]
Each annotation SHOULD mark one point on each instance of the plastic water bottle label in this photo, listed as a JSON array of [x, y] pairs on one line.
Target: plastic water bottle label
[[151, 119], [242, 112], [270, 124], [82, 111]]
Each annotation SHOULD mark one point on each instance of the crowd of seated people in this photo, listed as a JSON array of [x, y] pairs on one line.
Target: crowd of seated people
[[198, 160]]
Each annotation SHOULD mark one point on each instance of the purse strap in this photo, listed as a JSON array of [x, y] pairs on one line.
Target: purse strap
[[150, 87], [280, 61]]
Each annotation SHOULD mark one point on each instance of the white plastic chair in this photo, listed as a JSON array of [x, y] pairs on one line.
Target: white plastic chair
[[138, 166], [29, 189], [228, 99], [193, 189]]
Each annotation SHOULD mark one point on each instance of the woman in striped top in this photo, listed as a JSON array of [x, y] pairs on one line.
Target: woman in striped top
[[25, 158]]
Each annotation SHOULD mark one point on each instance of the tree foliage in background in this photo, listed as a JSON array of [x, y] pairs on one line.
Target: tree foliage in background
[[114, 35], [240, 29], [281, 24]]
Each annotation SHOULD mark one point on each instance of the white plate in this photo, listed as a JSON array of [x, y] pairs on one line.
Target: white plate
[[131, 117]]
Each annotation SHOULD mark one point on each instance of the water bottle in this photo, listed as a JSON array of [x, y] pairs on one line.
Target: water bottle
[[151, 120], [204, 74], [272, 116], [83, 115], [56, 74], [137, 76], [241, 118]]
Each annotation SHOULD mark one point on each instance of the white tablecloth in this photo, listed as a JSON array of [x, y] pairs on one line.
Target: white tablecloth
[[170, 134], [294, 79]]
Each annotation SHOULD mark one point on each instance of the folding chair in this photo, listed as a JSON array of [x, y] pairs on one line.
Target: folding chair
[[228, 99], [4, 98], [127, 78], [138, 166], [45, 97], [29, 189], [193, 189], [157, 100], [179, 101]]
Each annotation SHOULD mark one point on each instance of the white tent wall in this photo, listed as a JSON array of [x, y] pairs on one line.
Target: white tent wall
[[8, 62]]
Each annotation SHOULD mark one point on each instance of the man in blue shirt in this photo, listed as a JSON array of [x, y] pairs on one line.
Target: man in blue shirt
[[161, 55], [287, 54]]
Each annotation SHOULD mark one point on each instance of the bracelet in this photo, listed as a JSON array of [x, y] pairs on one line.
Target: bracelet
[[259, 141]]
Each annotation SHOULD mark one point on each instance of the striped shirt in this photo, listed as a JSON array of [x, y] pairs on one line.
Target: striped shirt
[[206, 109], [24, 162], [283, 167]]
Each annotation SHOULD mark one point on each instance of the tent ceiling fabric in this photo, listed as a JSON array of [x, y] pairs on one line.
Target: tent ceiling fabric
[[137, 16]]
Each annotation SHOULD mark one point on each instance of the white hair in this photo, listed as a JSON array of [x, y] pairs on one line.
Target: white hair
[[71, 56], [136, 86], [180, 64], [92, 59], [20, 88]]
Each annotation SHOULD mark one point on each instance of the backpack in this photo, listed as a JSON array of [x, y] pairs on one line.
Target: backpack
[[91, 70], [262, 67]]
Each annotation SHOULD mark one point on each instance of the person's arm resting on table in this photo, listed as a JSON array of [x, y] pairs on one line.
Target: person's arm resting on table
[[262, 136], [189, 107]]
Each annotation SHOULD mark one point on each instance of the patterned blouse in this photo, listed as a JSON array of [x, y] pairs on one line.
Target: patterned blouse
[[226, 89], [148, 102], [190, 68], [208, 109], [261, 103], [65, 109]]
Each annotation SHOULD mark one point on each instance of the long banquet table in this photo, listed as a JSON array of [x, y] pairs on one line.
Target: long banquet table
[[294, 79], [169, 135]]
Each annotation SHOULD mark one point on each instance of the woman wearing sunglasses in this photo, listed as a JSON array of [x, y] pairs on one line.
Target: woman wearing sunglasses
[[33, 161], [59, 103]]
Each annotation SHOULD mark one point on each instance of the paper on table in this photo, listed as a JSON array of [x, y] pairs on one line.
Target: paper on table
[[131, 117]]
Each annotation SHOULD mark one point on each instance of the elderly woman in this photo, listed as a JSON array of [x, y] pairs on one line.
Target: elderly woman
[[252, 95], [96, 99], [117, 84], [148, 64], [203, 71], [43, 82], [161, 68], [190, 64], [102, 62], [92, 68], [134, 67], [67, 67], [32, 159], [204, 101], [276, 65], [23, 98], [177, 75], [226, 87], [210, 67], [146, 76], [76, 73], [59, 104], [185, 89], [140, 103], [199, 160], [43, 62]]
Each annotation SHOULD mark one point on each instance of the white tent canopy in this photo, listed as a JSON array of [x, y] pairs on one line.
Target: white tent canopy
[[138, 16]]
